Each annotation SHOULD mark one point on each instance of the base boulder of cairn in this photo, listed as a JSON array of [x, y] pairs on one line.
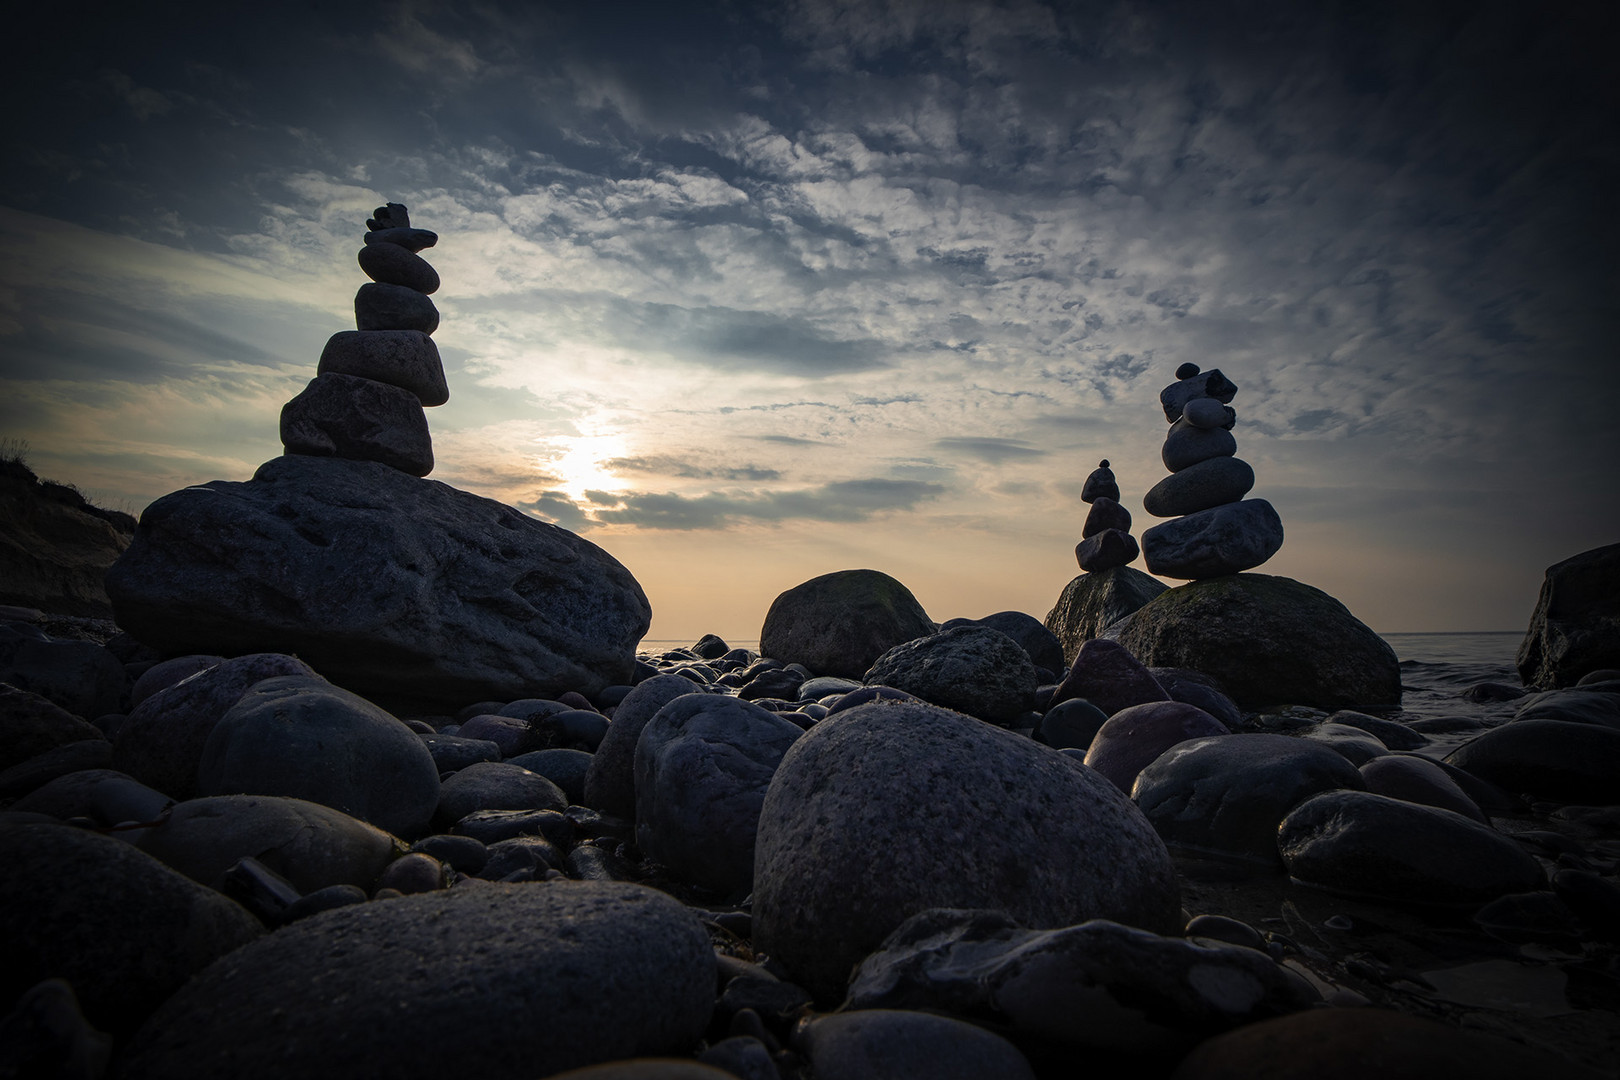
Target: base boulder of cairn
[[401, 589]]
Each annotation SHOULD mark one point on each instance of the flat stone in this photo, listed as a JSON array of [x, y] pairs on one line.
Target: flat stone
[[972, 669], [407, 238], [1356, 843], [1226, 794], [394, 307], [840, 623], [1353, 744], [1092, 602], [1211, 483], [1212, 543], [502, 980], [887, 809], [359, 419], [413, 594], [1106, 513], [392, 264], [1575, 627], [1203, 384], [407, 359], [1267, 641], [1186, 445], [1107, 550]]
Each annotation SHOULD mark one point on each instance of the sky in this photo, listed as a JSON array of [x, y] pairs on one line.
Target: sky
[[746, 293]]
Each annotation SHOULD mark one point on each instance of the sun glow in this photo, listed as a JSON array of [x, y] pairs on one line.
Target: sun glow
[[580, 463]]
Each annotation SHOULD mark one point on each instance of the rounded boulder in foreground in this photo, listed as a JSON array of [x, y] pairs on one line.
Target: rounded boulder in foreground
[[972, 669], [892, 808], [839, 623], [500, 980], [1268, 641]]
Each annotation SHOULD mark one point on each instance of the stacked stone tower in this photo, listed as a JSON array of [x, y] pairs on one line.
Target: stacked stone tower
[[366, 400], [1216, 530], [1105, 539]]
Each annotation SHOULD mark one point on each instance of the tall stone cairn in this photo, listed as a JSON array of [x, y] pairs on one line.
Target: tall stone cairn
[[1105, 539], [366, 400], [1215, 530]]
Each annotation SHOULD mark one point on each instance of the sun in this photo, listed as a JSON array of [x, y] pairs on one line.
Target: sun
[[581, 463]]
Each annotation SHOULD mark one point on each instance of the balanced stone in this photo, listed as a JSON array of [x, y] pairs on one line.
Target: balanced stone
[[1202, 384], [1100, 484], [394, 216], [1106, 550], [1188, 445], [360, 419], [394, 307], [394, 265], [407, 238], [407, 359], [1208, 413], [1208, 484], [1221, 540], [1106, 513]]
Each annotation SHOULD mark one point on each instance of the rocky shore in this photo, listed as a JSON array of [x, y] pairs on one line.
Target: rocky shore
[[366, 778]]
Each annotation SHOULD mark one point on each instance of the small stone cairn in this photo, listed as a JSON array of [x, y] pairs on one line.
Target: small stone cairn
[[1215, 530], [366, 400], [1106, 540]]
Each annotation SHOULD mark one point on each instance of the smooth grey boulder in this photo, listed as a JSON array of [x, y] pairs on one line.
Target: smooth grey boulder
[[407, 359], [393, 264], [105, 796], [1070, 724], [311, 845], [1356, 843], [1419, 780], [1226, 794], [1135, 736], [502, 980], [496, 785], [1198, 487], [1107, 550], [1575, 627], [406, 591], [1222, 540], [33, 724], [1097, 984], [361, 419], [890, 808], [972, 669], [1208, 413], [80, 676], [1196, 688], [161, 742], [1396, 736], [1186, 445], [840, 623], [1200, 384], [902, 1044], [302, 737], [393, 307], [1107, 675], [57, 762], [1092, 602], [1043, 646], [1576, 706], [122, 928], [610, 783], [452, 752], [1549, 760], [564, 767], [1352, 743], [702, 765], [1267, 640], [165, 673]]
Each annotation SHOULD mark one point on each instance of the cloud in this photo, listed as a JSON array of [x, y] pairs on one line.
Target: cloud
[[664, 465], [839, 501], [993, 450]]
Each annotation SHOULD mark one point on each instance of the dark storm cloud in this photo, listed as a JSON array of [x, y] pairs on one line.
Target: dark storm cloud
[[840, 501]]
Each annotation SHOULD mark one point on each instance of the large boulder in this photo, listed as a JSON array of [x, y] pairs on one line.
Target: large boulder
[[1551, 760], [84, 678], [702, 767], [500, 980], [840, 623], [610, 782], [31, 724], [972, 669], [887, 809], [1267, 640], [1043, 646], [407, 591], [55, 546], [1575, 627], [300, 736], [1092, 602], [120, 926]]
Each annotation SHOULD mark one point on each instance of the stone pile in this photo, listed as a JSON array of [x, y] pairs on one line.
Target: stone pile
[[366, 400], [1215, 531], [1105, 539]]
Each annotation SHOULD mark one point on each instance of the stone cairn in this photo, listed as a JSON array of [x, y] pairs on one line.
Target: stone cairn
[[366, 400], [1216, 531], [1106, 540]]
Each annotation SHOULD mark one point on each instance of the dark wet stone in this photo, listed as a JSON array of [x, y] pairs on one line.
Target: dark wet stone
[[462, 854], [972, 669], [33, 724], [572, 729], [104, 796], [41, 769], [1356, 843], [1357, 745], [898, 1043], [493, 826], [1419, 780], [1072, 723], [494, 785], [1222, 928], [1394, 735], [1134, 737], [452, 752], [1208, 484], [524, 858], [780, 683], [1521, 918], [1593, 899], [1575, 706], [868, 694], [333, 896], [610, 783], [1220, 541], [1493, 691], [1551, 760], [840, 623], [82, 677], [562, 766], [1575, 627], [1195, 688], [1106, 674]]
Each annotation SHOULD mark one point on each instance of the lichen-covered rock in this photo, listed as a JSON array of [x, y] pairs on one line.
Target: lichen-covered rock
[[891, 808], [1267, 640], [840, 623], [972, 669], [407, 591], [1575, 627], [1092, 602], [500, 980]]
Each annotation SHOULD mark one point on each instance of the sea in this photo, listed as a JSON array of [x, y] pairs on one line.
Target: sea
[[1435, 669]]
